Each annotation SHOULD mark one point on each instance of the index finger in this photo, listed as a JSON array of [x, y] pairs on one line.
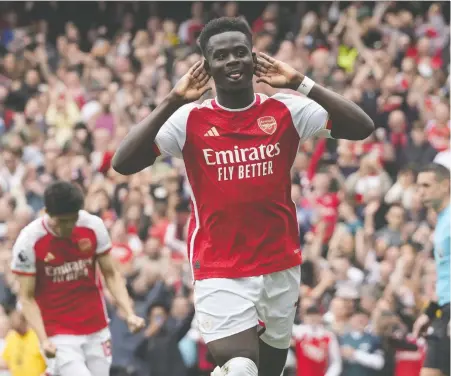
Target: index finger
[[200, 70], [194, 67], [267, 57]]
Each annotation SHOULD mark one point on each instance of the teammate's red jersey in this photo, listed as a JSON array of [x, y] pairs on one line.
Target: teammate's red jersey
[[238, 164], [68, 289], [409, 363], [317, 351]]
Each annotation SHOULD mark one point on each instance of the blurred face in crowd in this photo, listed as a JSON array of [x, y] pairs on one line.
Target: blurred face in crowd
[[442, 114], [395, 217], [368, 302], [18, 322], [9, 63], [359, 321], [313, 319], [433, 189], [157, 316], [152, 248], [406, 178], [340, 308], [10, 160], [180, 307], [32, 78], [397, 121], [418, 136], [230, 60], [321, 183]]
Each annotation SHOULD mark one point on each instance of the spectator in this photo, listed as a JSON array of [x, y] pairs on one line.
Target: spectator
[[21, 354], [361, 352], [161, 338]]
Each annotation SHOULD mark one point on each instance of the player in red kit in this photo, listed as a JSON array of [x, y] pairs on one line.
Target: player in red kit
[[317, 349], [55, 259], [409, 363], [238, 151]]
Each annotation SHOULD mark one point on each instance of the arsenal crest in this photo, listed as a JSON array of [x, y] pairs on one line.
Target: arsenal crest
[[84, 245], [267, 124]]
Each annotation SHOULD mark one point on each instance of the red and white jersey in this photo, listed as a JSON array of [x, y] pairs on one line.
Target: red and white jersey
[[68, 289], [317, 351], [409, 363], [238, 164]]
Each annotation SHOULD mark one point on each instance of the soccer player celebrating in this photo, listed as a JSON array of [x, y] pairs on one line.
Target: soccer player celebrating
[[434, 187], [238, 151], [55, 258]]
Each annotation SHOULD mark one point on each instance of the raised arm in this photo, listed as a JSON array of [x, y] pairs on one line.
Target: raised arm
[[137, 151], [347, 120], [23, 265]]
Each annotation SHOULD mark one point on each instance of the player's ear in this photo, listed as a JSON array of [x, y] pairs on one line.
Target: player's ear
[[207, 66]]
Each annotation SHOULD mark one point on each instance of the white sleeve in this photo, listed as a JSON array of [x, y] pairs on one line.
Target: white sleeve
[[23, 258], [172, 242], [102, 236], [297, 331], [374, 361], [309, 118], [335, 365], [171, 137]]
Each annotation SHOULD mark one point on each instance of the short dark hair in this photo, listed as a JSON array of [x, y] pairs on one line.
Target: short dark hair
[[62, 198], [441, 172], [223, 25]]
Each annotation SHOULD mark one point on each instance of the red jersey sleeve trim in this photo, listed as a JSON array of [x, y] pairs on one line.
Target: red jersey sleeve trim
[[328, 124], [156, 150], [19, 272]]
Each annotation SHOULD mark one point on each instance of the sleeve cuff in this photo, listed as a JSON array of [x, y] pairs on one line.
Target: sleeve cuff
[[21, 272], [156, 149]]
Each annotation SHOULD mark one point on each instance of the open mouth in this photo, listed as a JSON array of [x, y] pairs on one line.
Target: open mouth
[[234, 76]]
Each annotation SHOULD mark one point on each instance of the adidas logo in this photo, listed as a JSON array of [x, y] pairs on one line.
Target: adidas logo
[[212, 132], [49, 257]]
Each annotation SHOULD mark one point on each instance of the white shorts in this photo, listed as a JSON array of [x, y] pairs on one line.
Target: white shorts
[[225, 307], [81, 355]]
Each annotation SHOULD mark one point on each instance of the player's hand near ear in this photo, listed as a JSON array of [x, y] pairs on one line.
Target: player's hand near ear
[[193, 84], [276, 73]]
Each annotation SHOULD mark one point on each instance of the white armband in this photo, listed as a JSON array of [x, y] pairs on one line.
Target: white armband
[[305, 86]]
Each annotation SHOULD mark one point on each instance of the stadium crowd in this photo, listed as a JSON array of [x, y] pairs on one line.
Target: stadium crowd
[[74, 77]]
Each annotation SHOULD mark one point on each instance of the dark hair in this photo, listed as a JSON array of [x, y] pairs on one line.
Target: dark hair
[[313, 310], [166, 306], [441, 172], [63, 197], [223, 25]]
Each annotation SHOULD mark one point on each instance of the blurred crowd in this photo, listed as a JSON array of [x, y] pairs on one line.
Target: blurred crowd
[[75, 77]]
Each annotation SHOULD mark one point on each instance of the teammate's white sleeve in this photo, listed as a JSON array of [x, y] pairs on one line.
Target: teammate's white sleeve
[[171, 137], [23, 258], [298, 331], [172, 242], [335, 364], [102, 235], [309, 118], [374, 360]]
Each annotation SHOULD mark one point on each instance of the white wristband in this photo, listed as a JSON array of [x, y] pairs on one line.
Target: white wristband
[[306, 85]]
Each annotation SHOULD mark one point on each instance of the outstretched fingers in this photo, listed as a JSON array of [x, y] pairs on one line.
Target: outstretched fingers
[[263, 64], [194, 68], [203, 82], [268, 59]]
